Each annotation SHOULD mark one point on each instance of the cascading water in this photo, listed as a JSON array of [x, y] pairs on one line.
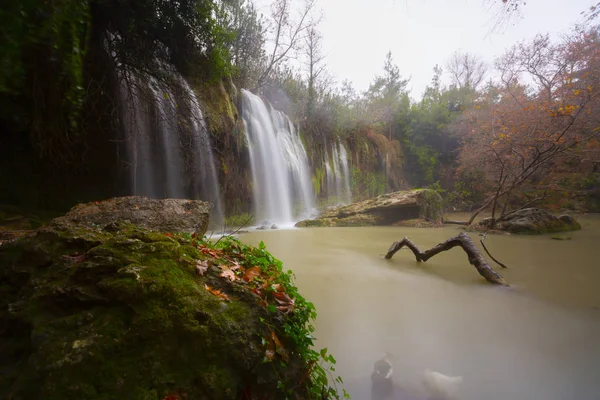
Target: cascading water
[[335, 154], [280, 173], [330, 177], [338, 175], [347, 194], [167, 143]]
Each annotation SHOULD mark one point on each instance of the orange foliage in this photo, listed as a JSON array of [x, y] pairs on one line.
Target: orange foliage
[[516, 133]]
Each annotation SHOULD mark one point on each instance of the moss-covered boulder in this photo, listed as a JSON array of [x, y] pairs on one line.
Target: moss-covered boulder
[[387, 209], [531, 221], [121, 312]]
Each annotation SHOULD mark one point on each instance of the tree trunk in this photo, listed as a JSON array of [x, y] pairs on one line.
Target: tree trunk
[[480, 209], [462, 240]]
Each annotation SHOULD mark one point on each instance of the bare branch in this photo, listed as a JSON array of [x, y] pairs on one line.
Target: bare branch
[[463, 241]]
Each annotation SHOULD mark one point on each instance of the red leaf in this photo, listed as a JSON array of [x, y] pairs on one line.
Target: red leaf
[[217, 293], [251, 273]]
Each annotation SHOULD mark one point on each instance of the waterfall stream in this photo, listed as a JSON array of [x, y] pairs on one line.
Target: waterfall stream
[[337, 175], [281, 176], [167, 143]]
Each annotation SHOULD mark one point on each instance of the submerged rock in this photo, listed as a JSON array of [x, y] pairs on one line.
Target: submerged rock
[[532, 221], [163, 215], [127, 313], [387, 209], [561, 237]]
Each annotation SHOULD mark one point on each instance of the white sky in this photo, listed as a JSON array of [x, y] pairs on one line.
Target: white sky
[[422, 33]]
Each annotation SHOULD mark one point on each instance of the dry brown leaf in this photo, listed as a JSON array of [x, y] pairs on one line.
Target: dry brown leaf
[[227, 273], [235, 265], [251, 273], [217, 292], [285, 303], [279, 347], [201, 267], [211, 252]]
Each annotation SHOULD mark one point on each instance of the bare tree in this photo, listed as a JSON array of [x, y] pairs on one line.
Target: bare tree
[[287, 33], [314, 61], [467, 70], [505, 11]]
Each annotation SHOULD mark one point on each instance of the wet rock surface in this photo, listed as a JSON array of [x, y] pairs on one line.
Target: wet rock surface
[[532, 221], [387, 209]]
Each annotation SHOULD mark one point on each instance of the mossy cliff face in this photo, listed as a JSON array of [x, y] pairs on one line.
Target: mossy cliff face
[[387, 209], [127, 313]]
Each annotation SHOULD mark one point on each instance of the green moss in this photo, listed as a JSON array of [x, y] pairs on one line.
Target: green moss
[[236, 221], [124, 314], [431, 205], [319, 222], [220, 110]]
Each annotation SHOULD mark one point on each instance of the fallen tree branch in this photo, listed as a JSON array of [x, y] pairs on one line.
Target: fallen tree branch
[[451, 221], [462, 240], [488, 252]]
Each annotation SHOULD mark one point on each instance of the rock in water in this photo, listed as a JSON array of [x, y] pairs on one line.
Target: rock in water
[[440, 386], [532, 221], [387, 209], [163, 215], [382, 386]]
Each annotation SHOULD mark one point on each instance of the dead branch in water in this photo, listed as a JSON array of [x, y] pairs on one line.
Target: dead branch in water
[[462, 240], [451, 221], [488, 252]]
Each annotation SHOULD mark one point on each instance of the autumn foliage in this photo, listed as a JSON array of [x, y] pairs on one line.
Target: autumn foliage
[[541, 118]]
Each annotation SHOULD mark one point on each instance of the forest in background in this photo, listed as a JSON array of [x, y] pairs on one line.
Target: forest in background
[[519, 132]]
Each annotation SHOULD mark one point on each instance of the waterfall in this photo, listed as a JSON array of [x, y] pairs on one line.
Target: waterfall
[[281, 177], [167, 143], [347, 194], [330, 177], [338, 175]]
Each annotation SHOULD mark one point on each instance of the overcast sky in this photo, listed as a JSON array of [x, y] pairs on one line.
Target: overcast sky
[[422, 33]]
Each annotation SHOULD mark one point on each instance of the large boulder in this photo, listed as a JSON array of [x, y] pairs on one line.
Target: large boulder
[[128, 313], [163, 215], [387, 209], [532, 221]]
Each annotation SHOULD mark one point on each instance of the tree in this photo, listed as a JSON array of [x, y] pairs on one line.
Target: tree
[[467, 71], [387, 93], [592, 13], [287, 33], [427, 144], [246, 45], [506, 11], [314, 62], [520, 133]]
